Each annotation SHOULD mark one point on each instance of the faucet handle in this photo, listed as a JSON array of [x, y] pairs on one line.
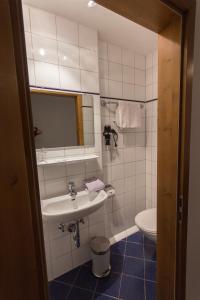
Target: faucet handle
[[71, 185]]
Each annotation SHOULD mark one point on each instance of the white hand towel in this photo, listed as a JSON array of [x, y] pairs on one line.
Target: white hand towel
[[95, 186], [128, 115]]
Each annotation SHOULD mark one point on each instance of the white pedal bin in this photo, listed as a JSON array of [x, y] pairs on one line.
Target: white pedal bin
[[100, 247]]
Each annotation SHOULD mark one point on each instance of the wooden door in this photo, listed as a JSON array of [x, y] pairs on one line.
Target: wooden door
[[22, 259]]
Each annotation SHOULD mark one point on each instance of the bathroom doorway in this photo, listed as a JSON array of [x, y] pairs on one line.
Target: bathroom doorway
[[171, 141]]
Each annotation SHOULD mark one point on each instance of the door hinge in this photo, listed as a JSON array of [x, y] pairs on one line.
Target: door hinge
[[180, 208]]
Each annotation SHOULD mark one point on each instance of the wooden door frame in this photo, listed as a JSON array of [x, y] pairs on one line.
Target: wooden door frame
[[19, 179]]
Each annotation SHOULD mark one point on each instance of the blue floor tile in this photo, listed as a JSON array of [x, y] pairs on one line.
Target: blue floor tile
[[118, 248], [136, 238], [134, 267], [150, 252], [77, 294], [103, 297], [134, 250], [150, 290], [117, 263], [69, 277], [132, 288], [133, 263], [109, 285], [86, 279], [150, 270], [58, 291]]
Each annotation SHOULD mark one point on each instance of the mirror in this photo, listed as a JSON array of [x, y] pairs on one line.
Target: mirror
[[62, 119]]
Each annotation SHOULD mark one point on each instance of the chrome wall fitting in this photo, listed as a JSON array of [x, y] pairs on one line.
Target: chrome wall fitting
[[74, 229]]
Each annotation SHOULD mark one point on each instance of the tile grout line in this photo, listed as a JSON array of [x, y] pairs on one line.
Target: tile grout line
[[72, 285], [94, 292], [145, 292], [122, 269]]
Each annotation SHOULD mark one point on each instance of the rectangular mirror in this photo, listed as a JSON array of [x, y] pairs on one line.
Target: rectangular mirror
[[62, 119]]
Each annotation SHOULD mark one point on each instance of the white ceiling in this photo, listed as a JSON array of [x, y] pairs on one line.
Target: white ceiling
[[111, 26]]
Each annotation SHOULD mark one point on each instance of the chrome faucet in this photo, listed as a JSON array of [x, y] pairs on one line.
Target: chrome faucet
[[72, 191]]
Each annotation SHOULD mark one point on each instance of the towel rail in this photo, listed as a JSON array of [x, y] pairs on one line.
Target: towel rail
[[104, 103]]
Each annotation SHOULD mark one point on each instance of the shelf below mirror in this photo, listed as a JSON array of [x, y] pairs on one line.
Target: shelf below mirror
[[69, 159]]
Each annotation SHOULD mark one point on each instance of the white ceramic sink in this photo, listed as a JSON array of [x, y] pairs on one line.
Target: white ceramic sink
[[63, 208]]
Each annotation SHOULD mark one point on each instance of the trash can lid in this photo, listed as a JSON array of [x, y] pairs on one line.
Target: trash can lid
[[100, 245]]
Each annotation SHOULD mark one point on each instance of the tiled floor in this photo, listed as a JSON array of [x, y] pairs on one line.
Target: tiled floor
[[133, 262]]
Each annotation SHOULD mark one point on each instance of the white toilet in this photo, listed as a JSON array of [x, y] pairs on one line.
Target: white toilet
[[146, 221]]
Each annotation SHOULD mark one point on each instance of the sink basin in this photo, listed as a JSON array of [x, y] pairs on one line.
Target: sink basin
[[64, 209]]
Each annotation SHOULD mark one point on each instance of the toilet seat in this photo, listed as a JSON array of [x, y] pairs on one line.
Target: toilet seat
[[146, 221]]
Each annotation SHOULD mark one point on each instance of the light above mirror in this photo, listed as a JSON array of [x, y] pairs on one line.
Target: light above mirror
[[91, 3]]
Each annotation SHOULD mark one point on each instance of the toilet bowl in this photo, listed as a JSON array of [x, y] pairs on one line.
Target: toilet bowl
[[146, 221]]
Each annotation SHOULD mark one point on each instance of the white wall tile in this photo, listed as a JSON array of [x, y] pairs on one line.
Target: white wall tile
[[67, 31], [128, 91], [88, 60], [140, 167], [97, 230], [127, 58], [103, 68], [129, 169], [103, 50], [26, 18], [70, 78], [140, 92], [60, 246], [104, 89], [45, 49], [140, 62], [140, 153], [56, 187], [29, 50], [81, 256], [115, 71], [149, 76], [140, 77], [149, 92], [118, 202], [117, 172], [128, 74], [47, 75], [68, 55], [140, 199], [31, 72], [115, 89], [114, 53], [87, 38], [62, 265], [155, 74], [149, 61], [89, 82], [43, 23], [54, 172], [155, 91], [155, 58]]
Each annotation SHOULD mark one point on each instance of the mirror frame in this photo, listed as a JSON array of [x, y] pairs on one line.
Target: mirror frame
[[78, 104]]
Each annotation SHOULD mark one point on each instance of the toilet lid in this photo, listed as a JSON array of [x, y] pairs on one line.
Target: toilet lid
[[147, 220]]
